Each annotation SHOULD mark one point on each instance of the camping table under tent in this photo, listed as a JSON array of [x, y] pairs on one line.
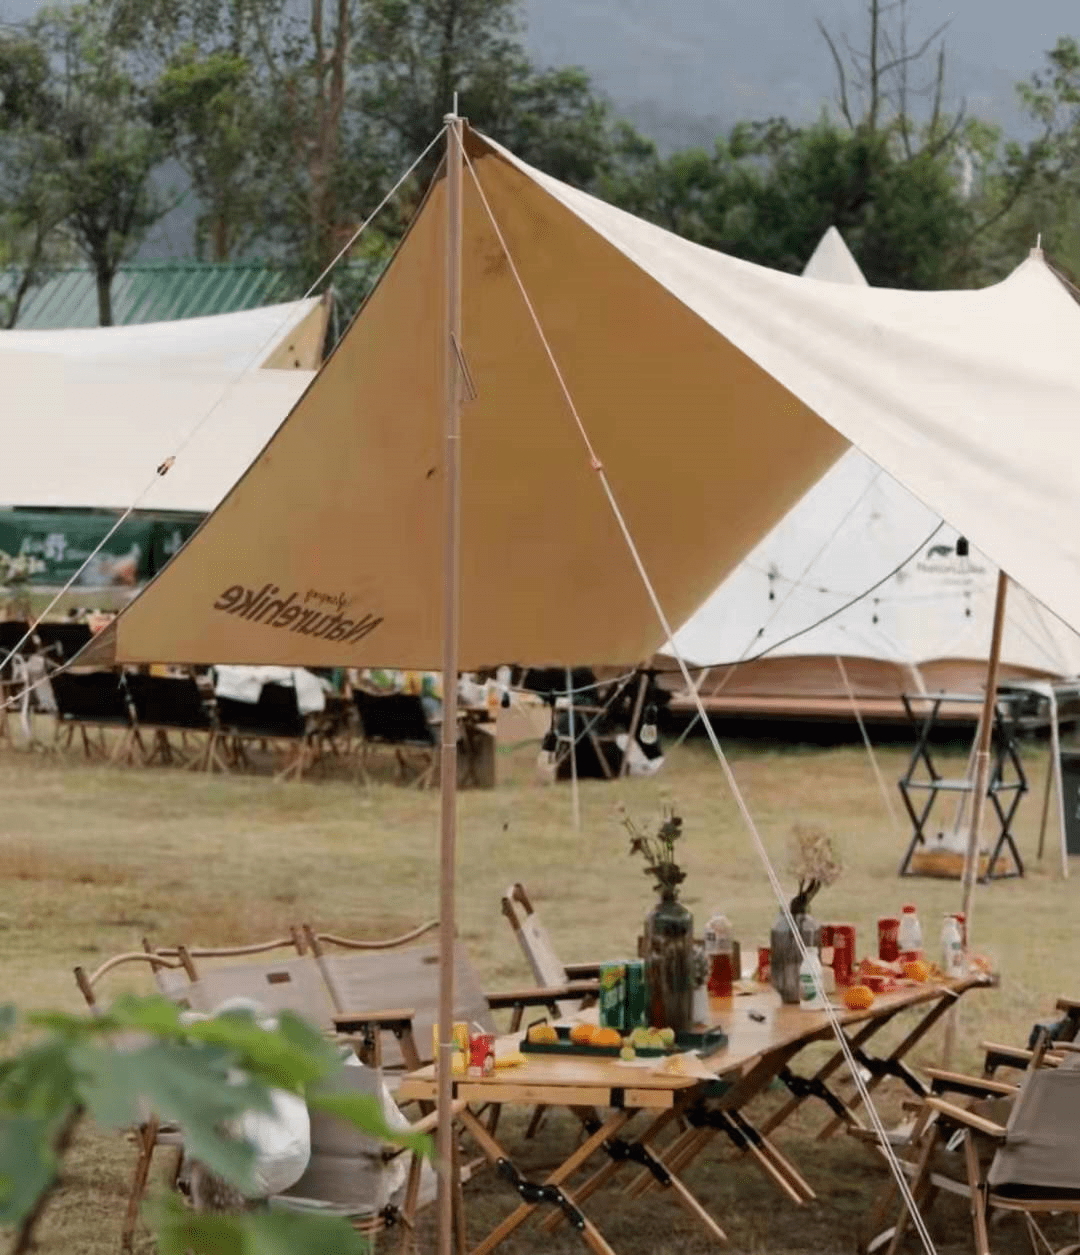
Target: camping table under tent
[[708, 1096]]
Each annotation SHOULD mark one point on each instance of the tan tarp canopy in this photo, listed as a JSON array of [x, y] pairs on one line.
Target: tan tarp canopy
[[700, 380]]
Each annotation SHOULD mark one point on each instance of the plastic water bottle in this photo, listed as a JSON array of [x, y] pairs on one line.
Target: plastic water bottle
[[909, 941], [952, 948], [719, 954], [810, 982]]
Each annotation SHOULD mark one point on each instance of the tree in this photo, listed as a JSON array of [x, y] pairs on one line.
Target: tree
[[413, 56], [904, 179], [97, 138], [1048, 207], [32, 205], [208, 108]]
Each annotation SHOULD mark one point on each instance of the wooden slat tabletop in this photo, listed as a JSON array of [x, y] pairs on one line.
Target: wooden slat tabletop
[[547, 1078]]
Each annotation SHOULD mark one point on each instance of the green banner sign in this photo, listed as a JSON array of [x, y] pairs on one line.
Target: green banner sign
[[56, 543]]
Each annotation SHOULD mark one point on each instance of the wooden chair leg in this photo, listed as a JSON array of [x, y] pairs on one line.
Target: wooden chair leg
[[978, 1196], [147, 1140]]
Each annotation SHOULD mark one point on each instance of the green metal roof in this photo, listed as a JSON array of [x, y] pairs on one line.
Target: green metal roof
[[150, 292]]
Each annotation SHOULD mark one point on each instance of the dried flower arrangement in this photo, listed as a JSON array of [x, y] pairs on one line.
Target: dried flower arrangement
[[658, 848], [813, 862]]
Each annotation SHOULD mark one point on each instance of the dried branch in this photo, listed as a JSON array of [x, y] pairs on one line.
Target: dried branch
[[841, 74]]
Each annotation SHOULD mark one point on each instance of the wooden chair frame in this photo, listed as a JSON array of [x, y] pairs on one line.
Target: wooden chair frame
[[151, 1134]]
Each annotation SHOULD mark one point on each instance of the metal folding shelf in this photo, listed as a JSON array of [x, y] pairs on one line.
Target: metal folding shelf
[[1007, 782]]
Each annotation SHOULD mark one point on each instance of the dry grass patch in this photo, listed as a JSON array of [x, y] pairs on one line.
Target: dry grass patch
[[94, 858]]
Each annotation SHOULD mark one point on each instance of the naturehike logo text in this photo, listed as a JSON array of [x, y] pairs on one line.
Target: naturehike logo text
[[265, 606]]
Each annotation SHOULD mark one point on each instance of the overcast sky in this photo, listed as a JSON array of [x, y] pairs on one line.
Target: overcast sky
[[690, 66]]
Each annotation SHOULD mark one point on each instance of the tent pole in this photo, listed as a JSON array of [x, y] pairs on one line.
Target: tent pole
[[444, 1140], [982, 752], [978, 796]]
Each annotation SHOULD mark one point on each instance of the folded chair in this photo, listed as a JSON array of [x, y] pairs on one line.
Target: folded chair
[[356, 1176], [151, 1133], [92, 701], [539, 951], [396, 721], [173, 704]]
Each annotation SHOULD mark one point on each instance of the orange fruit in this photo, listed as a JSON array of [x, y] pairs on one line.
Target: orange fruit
[[583, 1034], [607, 1037], [858, 998], [916, 970]]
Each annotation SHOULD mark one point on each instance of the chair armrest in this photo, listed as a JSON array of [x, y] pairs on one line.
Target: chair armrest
[[354, 1021], [968, 1118], [1017, 1056], [1071, 1006], [582, 971], [541, 997], [942, 1081]]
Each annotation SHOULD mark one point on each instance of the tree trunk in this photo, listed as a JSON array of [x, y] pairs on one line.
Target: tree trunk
[[104, 279]]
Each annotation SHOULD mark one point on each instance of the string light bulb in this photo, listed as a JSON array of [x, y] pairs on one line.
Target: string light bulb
[[648, 726]]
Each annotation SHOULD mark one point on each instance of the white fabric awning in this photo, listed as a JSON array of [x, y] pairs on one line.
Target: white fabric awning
[[81, 434]]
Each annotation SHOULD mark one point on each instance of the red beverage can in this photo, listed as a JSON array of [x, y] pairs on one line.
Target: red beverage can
[[482, 1052], [764, 965], [888, 932], [843, 942]]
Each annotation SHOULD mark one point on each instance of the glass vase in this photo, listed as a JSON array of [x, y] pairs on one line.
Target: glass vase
[[669, 974], [784, 956]]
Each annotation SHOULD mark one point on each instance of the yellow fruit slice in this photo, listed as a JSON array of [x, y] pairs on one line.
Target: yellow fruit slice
[[513, 1060], [606, 1037]]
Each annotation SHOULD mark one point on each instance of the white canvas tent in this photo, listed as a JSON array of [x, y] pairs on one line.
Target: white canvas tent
[[283, 336], [79, 434], [926, 628]]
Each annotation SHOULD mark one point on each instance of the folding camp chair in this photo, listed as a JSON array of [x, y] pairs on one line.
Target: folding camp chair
[[275, 717], [1020, 1146], [151, 1133], [164, 704], [351, 1174], [62, 641], [396, 721], [172, 981], [11, 669], [405, 979], [536, 945], [89, 701]]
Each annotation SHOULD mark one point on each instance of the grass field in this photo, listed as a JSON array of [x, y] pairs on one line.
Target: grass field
[[93, 859]]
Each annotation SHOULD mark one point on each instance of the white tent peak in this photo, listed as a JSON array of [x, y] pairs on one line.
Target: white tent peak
[[833, 262]]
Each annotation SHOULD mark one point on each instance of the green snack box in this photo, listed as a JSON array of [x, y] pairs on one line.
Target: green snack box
[[613, 996], [637, 1001]]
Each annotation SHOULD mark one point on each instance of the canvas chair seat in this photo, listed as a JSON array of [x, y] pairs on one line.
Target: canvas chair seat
[[352, 1174], [539, 950], [1040, 1157]]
